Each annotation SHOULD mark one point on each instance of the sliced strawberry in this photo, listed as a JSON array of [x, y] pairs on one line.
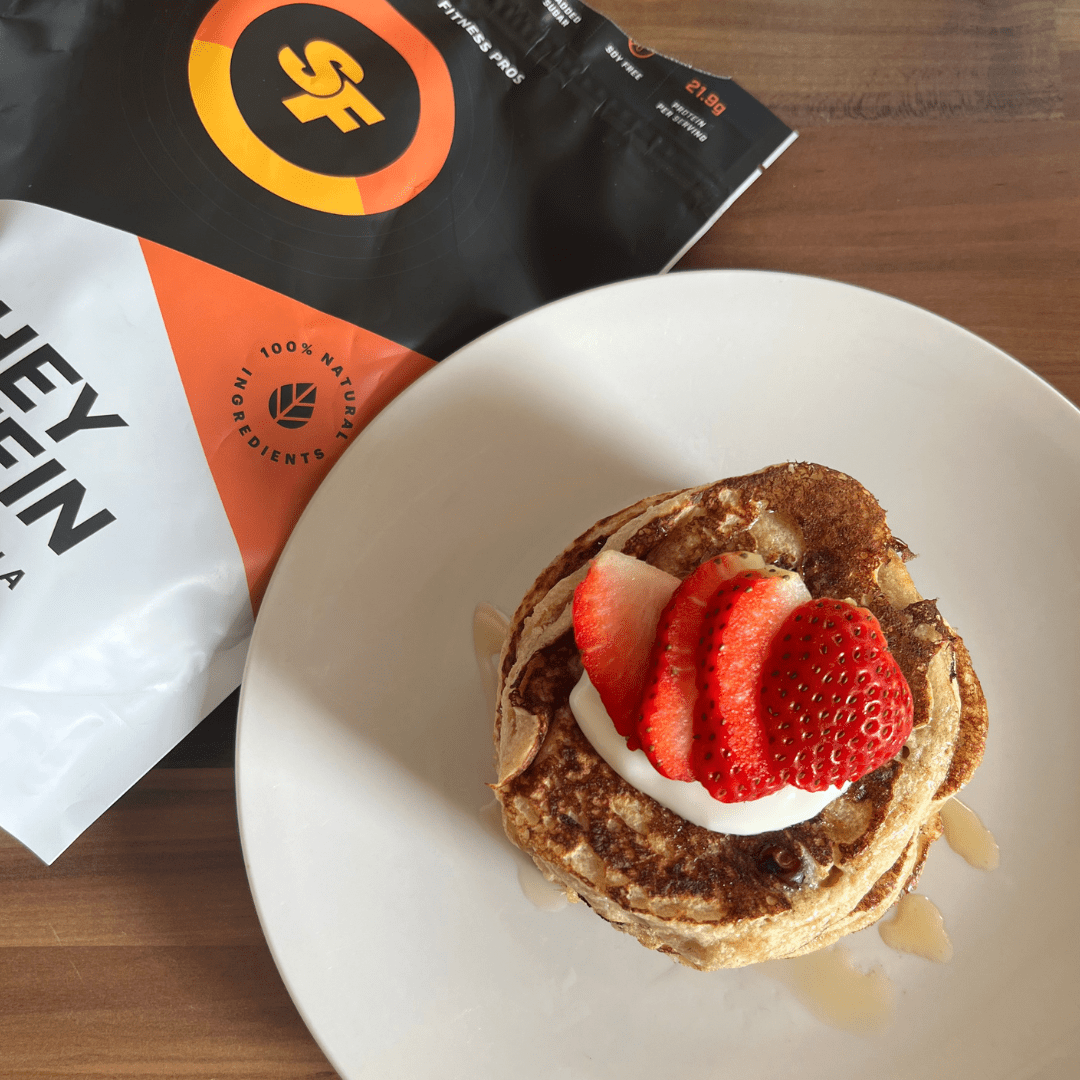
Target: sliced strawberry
[[834, 702], [616, 609], [665, 726], [665, 723], [730, 750]]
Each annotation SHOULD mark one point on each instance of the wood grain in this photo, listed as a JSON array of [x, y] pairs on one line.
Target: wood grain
[[938, 161], [828, 61], [138, 954]]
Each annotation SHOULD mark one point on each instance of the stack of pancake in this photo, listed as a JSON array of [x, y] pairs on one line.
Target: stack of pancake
[[711, 899]]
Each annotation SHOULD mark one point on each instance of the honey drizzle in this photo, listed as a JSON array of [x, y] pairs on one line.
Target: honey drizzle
[[917, 927], [490, 627], [538, 890], [968, 836], [534, 886], [830, 985]]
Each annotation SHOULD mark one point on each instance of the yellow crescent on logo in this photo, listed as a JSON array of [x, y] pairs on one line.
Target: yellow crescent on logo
[[209, 69]]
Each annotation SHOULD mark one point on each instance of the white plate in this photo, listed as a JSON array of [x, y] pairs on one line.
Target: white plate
[[391, 904]]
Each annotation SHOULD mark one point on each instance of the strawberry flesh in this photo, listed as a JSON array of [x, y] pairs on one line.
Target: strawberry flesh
[[736, 678], [834, 703], [615, 611], [665, 725], [730, 750]]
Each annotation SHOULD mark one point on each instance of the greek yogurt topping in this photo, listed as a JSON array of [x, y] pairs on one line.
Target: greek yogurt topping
[[690, 800]]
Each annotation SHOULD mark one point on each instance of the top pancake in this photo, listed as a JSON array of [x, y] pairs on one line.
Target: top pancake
[[713, 899]]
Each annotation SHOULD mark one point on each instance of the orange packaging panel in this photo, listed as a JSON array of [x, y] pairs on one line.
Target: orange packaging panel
[[277, 391]]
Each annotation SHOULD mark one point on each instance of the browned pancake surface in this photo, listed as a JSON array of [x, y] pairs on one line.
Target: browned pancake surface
[[714, 899]]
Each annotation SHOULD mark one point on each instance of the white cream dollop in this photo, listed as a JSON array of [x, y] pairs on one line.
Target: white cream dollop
[[690, 800]]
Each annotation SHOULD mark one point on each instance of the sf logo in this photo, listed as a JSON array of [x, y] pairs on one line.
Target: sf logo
[[328, 90]]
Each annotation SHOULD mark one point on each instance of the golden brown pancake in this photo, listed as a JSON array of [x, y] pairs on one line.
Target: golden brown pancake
[[712, 899]]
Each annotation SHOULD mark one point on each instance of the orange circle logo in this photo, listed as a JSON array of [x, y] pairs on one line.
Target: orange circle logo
[[341, 106], [638, 50]]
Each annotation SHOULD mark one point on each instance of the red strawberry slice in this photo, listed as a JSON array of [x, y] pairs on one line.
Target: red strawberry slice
[[665, 726], [616, 609], [730, 752], [834, 702], [665, 721]]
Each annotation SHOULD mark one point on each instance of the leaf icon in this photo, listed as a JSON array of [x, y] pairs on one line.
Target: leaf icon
[[292, 404]]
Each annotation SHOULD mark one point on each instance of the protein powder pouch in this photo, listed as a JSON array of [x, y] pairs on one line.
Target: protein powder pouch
[[230, 233]]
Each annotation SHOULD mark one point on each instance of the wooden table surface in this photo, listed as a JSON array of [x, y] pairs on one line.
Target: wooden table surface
[[938, 161]]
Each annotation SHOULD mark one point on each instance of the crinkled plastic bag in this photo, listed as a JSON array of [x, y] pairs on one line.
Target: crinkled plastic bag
[[230, 233]]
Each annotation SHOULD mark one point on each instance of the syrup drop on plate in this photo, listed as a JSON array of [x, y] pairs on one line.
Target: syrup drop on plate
[[490, 627], [968, 836], [917, 927], [830, 985], [534, 886], [540, 891]]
